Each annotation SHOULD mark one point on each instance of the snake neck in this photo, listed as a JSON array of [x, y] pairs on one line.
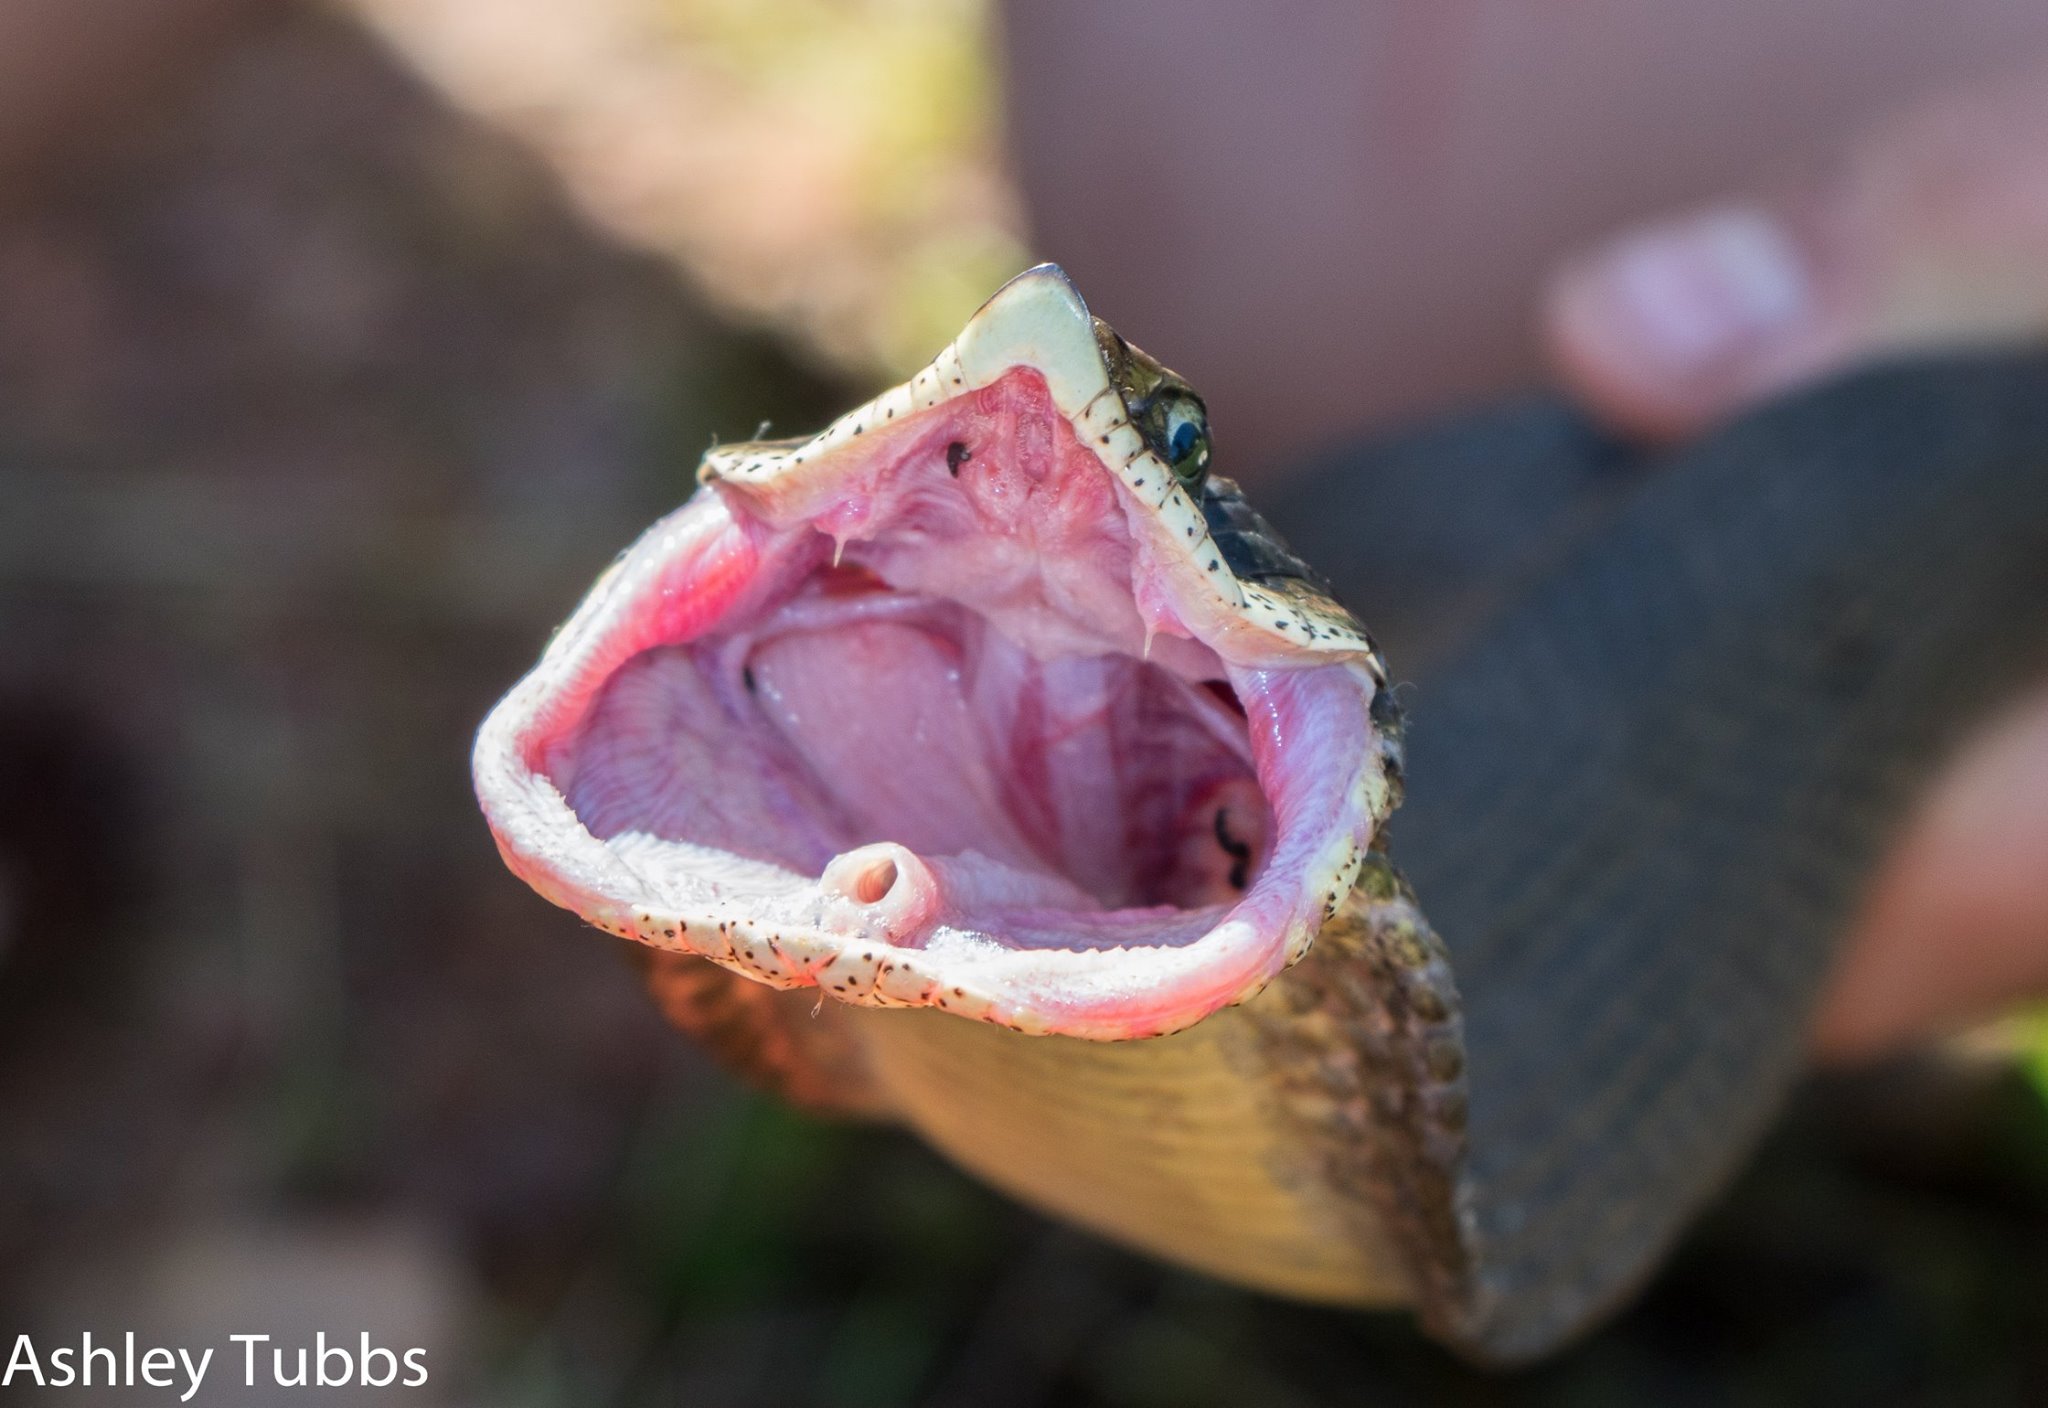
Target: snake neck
[[1365, 1047], [1308, 1142]]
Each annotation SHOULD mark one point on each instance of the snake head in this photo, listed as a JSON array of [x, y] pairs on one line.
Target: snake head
[[989, 697]]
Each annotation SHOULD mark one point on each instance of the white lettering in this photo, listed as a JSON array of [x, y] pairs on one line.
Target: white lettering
[[97, 1365], [389, 1358], [23, 1346], [85, 1363], [326, 1351], [248, 1344], [196, 1373]]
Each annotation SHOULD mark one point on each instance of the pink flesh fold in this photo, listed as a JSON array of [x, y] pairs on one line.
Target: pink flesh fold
[[925, 729]]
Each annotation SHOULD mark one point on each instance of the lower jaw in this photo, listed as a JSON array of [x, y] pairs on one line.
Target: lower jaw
[[1170, 1146]]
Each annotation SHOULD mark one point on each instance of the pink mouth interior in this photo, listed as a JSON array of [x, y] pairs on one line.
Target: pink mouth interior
[[1038, 791], [934, 698]]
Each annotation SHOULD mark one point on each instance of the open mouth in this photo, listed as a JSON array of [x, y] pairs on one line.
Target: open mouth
[[958, 704]]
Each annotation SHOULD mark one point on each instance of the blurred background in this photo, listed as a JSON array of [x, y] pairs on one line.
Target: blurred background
[[341, 346]]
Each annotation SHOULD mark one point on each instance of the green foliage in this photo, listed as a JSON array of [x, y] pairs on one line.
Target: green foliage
[[901, 100], [2031, 1029]]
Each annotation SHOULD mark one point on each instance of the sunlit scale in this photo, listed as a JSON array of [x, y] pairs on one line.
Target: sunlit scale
[[953, 705]]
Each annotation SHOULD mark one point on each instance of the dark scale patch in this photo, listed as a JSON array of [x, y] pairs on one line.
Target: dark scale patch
[[957, 454], [1385, 713], [747, 678], [1253, 547]]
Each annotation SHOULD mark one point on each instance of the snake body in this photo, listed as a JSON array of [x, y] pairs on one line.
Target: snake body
[[1675, 711]]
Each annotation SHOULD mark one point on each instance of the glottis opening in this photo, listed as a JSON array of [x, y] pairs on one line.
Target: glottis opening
[[920, 724]]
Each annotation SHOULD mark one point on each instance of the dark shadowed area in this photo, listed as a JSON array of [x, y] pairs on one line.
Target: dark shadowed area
[[320, 403]]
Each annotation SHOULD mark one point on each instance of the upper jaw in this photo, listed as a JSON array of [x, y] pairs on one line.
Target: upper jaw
[[1306, 680], [1038, 321]]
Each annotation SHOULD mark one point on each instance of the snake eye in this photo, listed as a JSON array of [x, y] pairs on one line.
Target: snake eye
[[1187, 441]]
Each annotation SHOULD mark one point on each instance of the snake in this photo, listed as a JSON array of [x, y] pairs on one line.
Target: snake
[[984, 763]]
